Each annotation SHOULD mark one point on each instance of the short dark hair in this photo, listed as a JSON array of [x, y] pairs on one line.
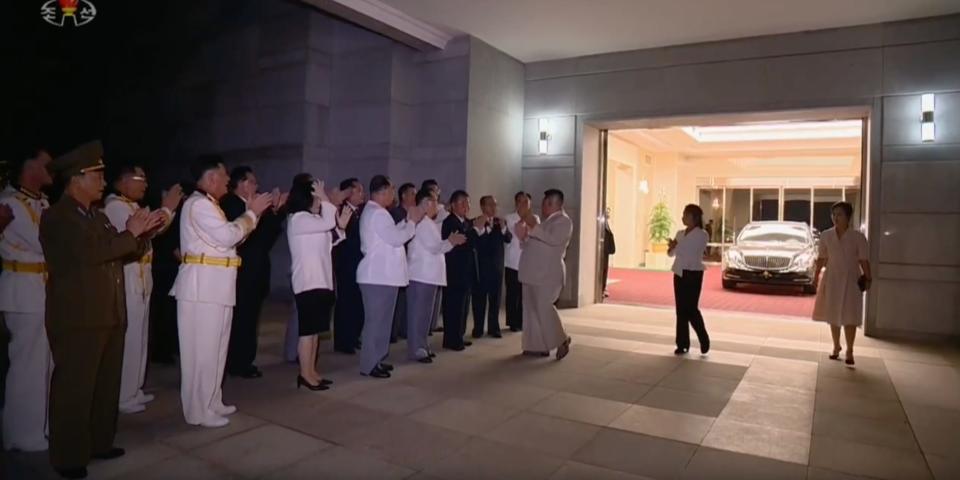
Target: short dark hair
[[406, 186], [457, 195], [348, 183], [846, 207], [428, 184], [696, 211], [554, 193], [425, 193], [378, 183], [300, 198], [519, 194], [24, 153], [237, 175], [203, 164], [120, 171], [486, 198]]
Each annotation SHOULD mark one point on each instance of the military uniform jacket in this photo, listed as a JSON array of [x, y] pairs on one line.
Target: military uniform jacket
[[85, 256], [138, 274], [22, 292], [205, 231]]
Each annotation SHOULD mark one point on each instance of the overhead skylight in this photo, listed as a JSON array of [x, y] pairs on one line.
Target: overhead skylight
[[761, 132]]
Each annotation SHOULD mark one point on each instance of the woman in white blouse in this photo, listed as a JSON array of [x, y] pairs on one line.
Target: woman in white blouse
[[840, 299], [427, 268], [687, 249], [312, 226]]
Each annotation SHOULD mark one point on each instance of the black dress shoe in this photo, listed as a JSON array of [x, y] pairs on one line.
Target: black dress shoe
[[302, 382], [467, 344], [456, 349], [386, 367], [115, 452], [432, 355], [514, 329], [73, 472], [704, 348], [477, 334], [378, 373], [425, 360], [348, 351], [496, 335], [681, 351], [248, 373]]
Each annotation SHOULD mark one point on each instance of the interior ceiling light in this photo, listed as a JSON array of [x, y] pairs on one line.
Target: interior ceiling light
[[777, 131]]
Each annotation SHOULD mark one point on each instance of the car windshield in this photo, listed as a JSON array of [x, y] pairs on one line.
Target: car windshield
[[775, 234]]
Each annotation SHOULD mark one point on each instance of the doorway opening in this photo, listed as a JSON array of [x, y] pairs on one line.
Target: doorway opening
[[766, 189]]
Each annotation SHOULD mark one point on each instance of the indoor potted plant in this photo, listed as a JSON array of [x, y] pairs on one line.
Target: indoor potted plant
[[660, 227]]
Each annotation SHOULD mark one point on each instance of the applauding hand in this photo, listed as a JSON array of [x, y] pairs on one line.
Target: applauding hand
[[171, 199], [457, 238], [415, 214], [344, 218], [261, 203]]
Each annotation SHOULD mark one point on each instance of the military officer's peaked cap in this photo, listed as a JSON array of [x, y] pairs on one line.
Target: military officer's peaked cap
[[85, 158]]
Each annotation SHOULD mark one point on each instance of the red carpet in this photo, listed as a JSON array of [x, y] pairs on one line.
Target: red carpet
[[648, 287]]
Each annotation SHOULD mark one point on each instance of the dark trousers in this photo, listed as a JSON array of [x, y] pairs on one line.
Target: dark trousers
[[84, 393], [686, 291], [604, 270], [455, 307], [347, 312], [399, 329], [164, 340], [514, 299], [486, 302], [252, 286]]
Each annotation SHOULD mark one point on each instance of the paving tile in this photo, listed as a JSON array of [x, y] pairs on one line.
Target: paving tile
[[876, 409], [580, 471], [766, 394], [261, 451], [724, 465], [768, 442], [581, 408], [944, 467], [937, 429], [792, 379], [334, 421], [692, 381], [520, 397], [483, 459], [135, 459], [552, 436], [870, 389], [814, 473], [397, 399], [637, 454], [867, 460], [791, 417], [884, 433], [182, 467], [634, 372], [406, 442], [713, 370], [594, 386], [680, 401], [341, 463], [195, 437], [683, 427], [466, 416]]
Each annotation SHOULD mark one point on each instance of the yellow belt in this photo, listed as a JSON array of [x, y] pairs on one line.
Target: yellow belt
[[21, 267], [147, 259], [229, 262]]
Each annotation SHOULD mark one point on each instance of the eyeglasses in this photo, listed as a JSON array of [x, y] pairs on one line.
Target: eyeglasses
[[138, 178]]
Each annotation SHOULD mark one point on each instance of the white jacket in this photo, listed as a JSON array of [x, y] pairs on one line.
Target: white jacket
[[22, 292], [138, 274], [426, 262], [204, 230], [381, 241], [310, 238]]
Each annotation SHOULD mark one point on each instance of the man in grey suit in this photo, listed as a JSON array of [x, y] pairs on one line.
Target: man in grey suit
[[542, 274]]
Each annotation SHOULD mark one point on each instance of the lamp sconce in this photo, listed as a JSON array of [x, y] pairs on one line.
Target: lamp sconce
[[644, 187], [927, 128], [544, 127], [716, 204]]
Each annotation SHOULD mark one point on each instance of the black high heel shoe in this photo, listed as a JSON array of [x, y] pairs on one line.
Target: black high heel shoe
[[836, 354], [302, 382]]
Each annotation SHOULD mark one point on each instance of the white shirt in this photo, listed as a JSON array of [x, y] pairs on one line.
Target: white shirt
[[381, 241], [689, 252], [310, 238], [22, 292], [442, 214], [137, 275], [511, 258], [426, 262], [205, 230]]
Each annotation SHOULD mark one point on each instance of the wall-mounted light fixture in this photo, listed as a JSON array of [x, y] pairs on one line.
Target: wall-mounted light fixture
[[716, 204], [544, 127], [927, 128], [644, 186]]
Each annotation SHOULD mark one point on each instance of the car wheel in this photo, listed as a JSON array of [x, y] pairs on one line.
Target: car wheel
[[729, 285]]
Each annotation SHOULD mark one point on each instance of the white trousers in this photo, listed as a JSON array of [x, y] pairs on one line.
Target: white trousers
[[542, 328], [135, 351], [204, 330], [28, 383]]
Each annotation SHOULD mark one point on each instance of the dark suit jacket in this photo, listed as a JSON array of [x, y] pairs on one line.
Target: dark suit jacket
[[347, 254], [490, 249], [255, 250], [609, 246], [462, 259]]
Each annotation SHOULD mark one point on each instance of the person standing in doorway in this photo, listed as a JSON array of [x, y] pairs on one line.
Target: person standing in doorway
[[845, 254], [253, 276], [490, 258], [543, 275], [514, 293], [381, 273], [130, 185], [22, 300], [348, 311], [461, 264], [687, 249]]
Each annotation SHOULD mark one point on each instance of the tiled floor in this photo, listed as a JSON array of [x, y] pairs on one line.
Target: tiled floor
[[765, 404]]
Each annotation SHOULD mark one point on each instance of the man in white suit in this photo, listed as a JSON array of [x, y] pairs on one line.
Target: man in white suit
[[542, 274], [22, 299], [131, 186], [206, 290]]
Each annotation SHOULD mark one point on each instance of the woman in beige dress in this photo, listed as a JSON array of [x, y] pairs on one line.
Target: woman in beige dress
[[840, 297]]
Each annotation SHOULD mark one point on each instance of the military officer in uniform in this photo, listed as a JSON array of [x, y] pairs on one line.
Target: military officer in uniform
[[22, 285], [130, 185], [206, 290], [85, 315]]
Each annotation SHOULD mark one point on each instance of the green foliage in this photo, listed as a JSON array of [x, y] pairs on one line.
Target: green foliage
[[660, 223]]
